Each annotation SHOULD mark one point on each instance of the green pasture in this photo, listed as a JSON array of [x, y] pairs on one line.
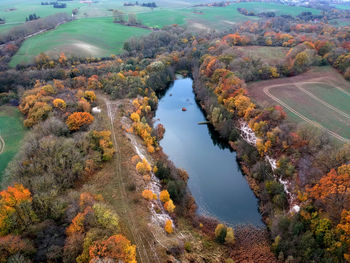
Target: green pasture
[[328, 93], [312, 109], [215, 17], [26, 7], [12, 131], [342, 6], [279, 9], [163, 17], [96, 37]]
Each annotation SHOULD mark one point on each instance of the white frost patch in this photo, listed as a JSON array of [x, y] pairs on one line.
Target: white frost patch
[[87, 47], [96, 110], [272, 162], [159, 215], [295, 208], [247, 133], [249, 136]]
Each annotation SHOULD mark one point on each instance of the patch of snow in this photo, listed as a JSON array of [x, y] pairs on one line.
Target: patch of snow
[[96, 110], [247, 133], [296, 208], [249, 136], [159, 215]]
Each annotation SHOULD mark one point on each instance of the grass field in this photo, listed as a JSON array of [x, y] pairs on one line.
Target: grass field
[[313, 109], [320, 97], [342, 6], [271, 55], [215, 17], [96, 37], [12, 132]]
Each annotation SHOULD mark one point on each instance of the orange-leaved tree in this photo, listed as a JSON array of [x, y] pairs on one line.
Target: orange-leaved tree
[[16, 211], [117, 247], [78, 119], [169, 226], [164, 196], [333, 191]]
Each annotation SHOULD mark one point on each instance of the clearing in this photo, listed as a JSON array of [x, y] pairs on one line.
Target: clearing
[[271, 55], [320, 97]]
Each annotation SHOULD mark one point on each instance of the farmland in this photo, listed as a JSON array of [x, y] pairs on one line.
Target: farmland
[[215, 17], [270, 55], [80, 38], [319, 97], [97, 18], [12, 132]]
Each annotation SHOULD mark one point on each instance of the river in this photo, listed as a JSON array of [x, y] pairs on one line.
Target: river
[[215, 179]]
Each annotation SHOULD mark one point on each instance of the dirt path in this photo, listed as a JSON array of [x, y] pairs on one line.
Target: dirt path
[[2, 145], [145, 250], [316, 124]]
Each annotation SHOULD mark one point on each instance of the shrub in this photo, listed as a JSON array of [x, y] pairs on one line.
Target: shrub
[[79, 119]]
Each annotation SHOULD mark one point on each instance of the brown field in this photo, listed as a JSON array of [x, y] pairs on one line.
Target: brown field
[[319, 97]]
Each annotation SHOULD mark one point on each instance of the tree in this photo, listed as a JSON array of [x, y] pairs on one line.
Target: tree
[[12, 245], [143, 167], [148, 194], [344, 228], [94, 83], [230, 236], [164, 196], [90, 95], [116, 247], [79, 119], [333, 191], [301, 62], [220, 233], [15, 209], [135, 117], [169, 206], [132, 19], [62, 59], [118, 16], [169, 226], [59, 103]]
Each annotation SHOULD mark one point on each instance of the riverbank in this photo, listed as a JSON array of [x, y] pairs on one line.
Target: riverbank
[[215, 179], [257, 170]]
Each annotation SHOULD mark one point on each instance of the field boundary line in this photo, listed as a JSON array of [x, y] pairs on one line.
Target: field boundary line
[[337, 87], [2, 145], [316, 124], [322, 101]]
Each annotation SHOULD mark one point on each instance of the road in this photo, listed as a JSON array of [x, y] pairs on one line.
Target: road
[[146, 252]]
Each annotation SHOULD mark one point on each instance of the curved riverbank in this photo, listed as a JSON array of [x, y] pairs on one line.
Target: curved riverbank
[[215, 179]]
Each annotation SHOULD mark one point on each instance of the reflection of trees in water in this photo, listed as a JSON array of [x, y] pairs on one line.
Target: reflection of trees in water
[[216, 138], [214, 135]]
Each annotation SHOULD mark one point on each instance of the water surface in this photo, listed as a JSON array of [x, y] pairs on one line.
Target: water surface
[[215, 179]]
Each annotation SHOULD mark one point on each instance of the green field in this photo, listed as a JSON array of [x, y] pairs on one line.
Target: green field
[[328, 93], [26, 7], [342, 6], [12, 131], [313, 109], [97, 37], [215, 17]]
